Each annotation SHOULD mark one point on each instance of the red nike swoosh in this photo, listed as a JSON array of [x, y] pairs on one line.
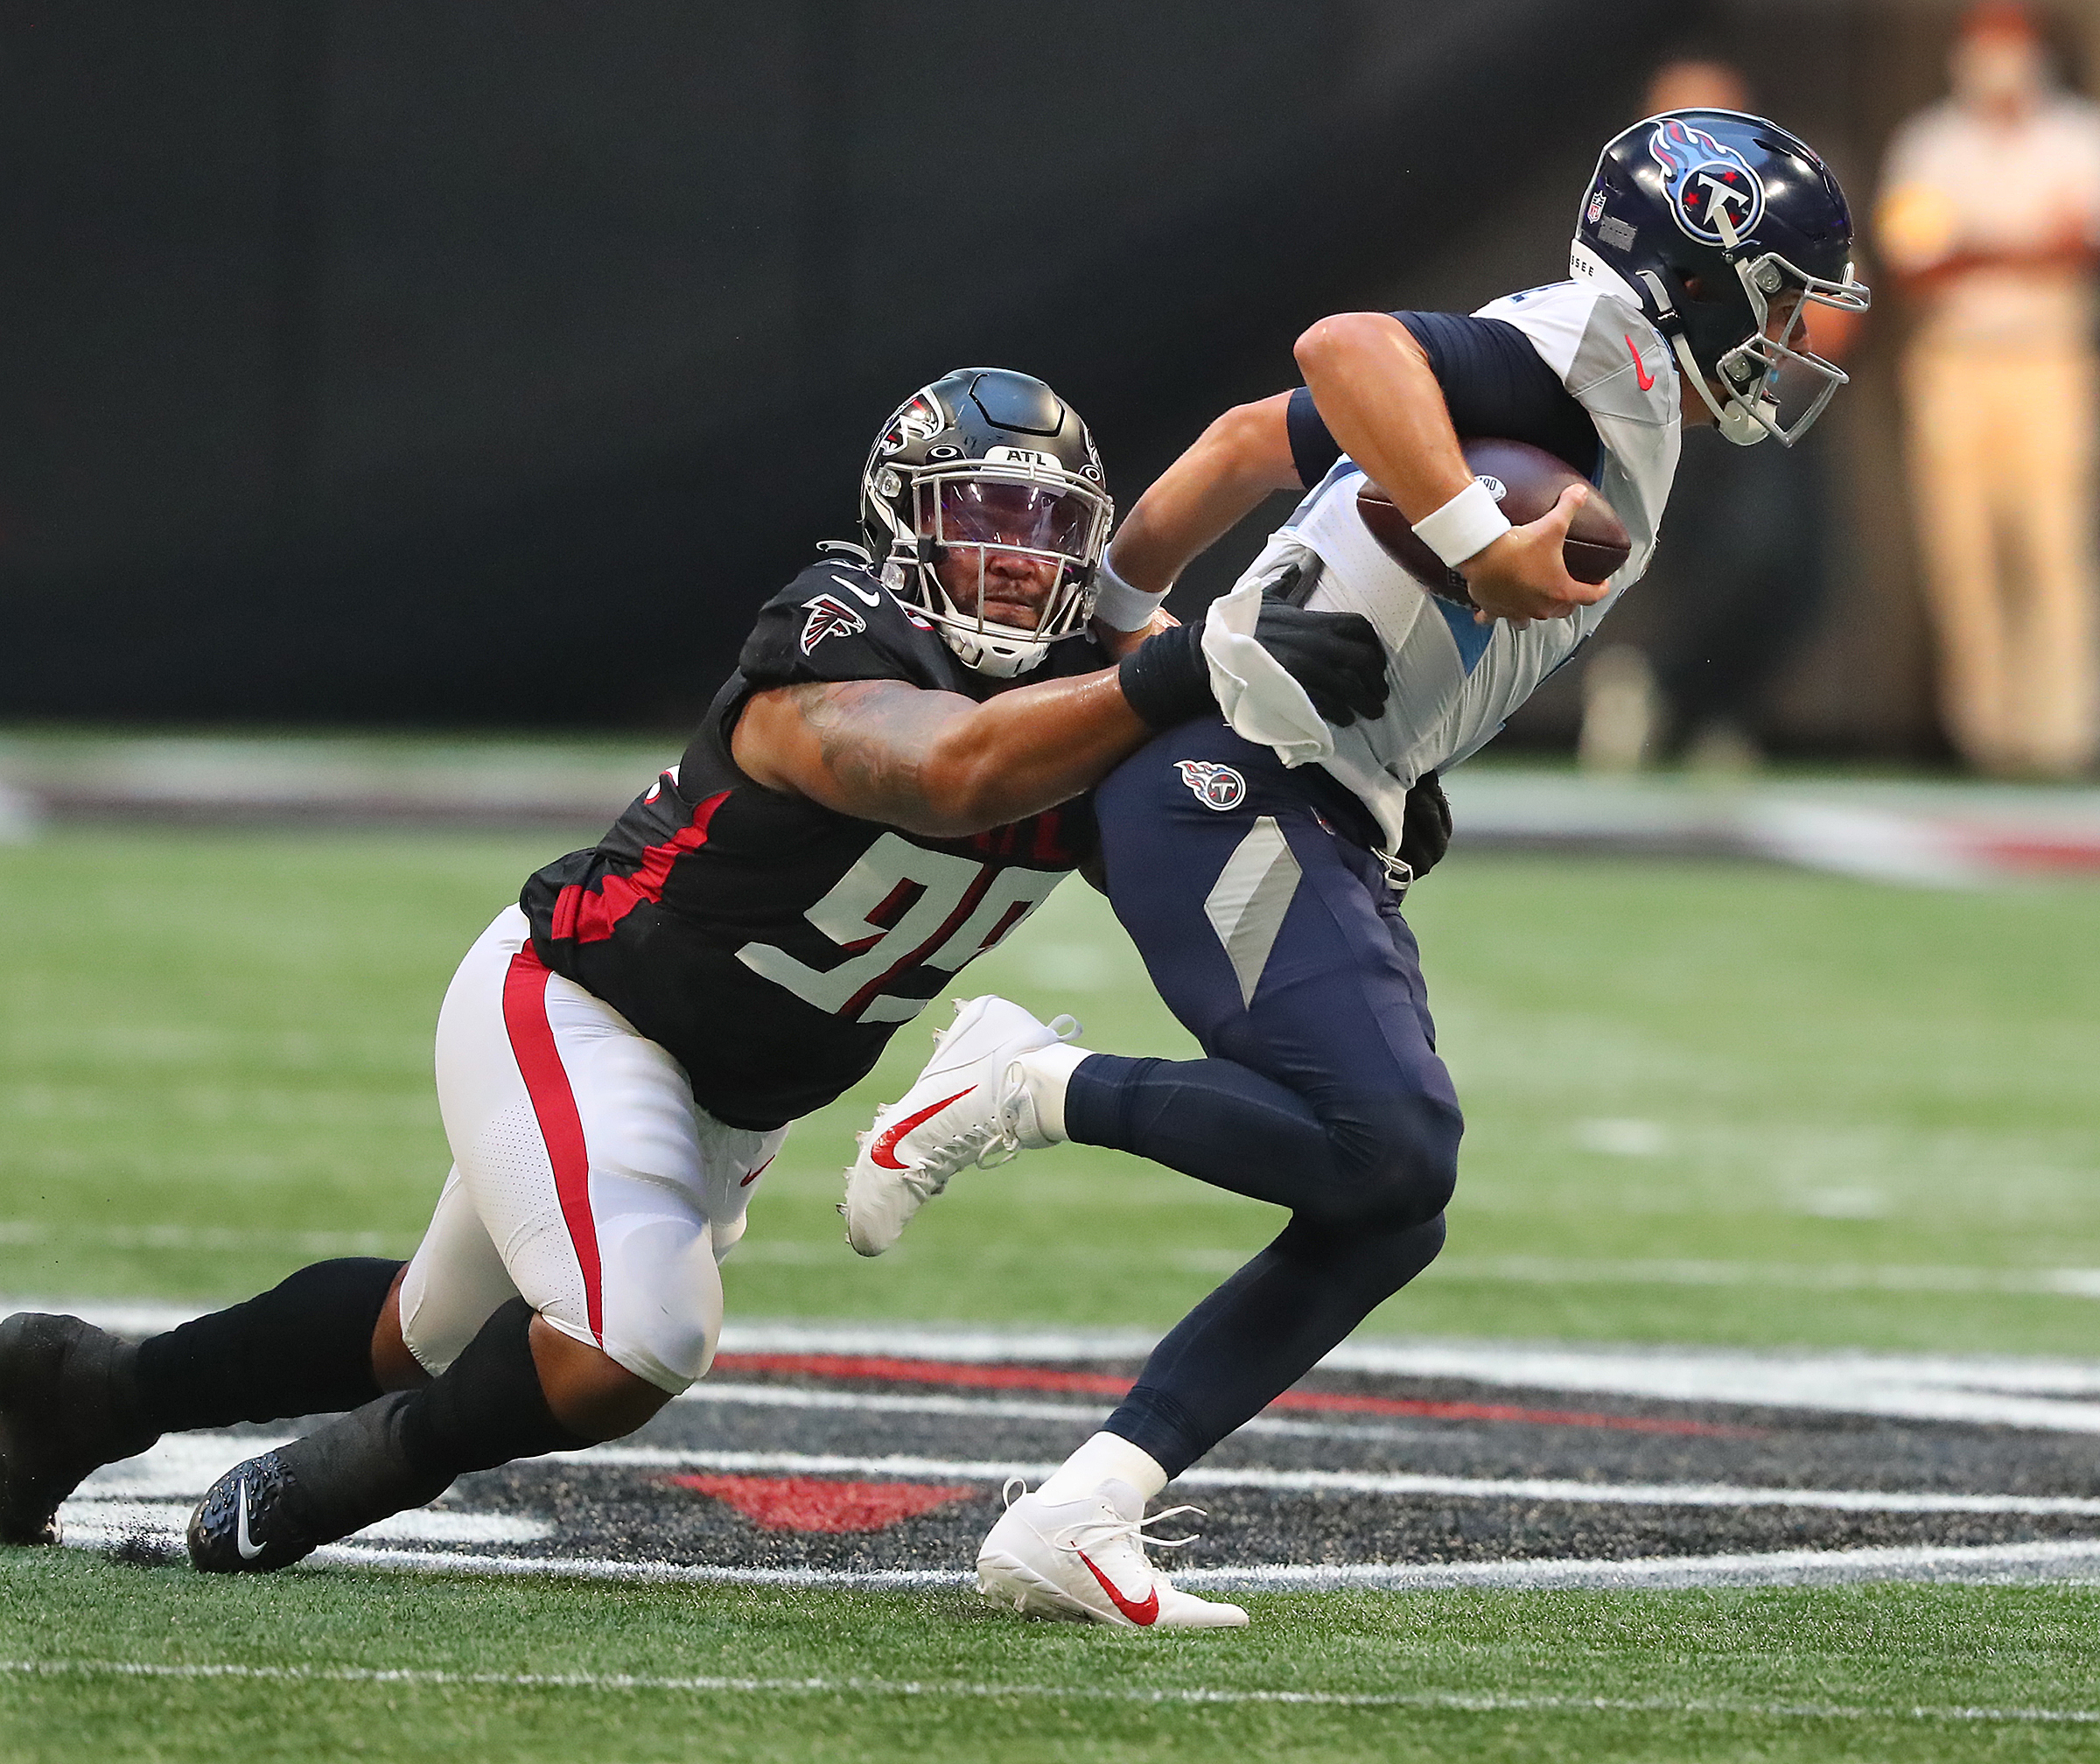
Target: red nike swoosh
[[759, 1172], [886, 1140], [1140, 1614], [1641, 372]]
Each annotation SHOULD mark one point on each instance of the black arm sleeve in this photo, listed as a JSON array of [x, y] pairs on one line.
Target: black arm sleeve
[[1495, 384]]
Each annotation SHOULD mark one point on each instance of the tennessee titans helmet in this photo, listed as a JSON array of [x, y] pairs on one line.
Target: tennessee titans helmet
[[1725, 230], [986, 462]]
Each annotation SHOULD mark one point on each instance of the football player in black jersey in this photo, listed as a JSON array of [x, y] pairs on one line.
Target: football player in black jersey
[[893, 777]]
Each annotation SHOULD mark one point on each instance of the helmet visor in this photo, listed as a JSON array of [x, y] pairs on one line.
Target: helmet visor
[[1007, 516], [1001, 549]]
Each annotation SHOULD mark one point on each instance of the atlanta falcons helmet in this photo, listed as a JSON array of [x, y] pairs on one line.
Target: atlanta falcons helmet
[[985, 464], [1725, 230]]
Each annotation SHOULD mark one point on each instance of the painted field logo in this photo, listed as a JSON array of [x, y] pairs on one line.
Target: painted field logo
[[828, 617], [1215, 786]]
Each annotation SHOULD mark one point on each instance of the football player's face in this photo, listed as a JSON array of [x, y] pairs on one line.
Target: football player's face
[[1015, 587], [1778, 314], [977, 521]]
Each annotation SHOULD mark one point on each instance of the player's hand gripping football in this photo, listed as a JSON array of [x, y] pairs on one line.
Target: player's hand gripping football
[[1523, 574]]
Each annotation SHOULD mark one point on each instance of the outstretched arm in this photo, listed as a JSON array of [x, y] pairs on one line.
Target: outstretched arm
[[935, 763], [938, 763]]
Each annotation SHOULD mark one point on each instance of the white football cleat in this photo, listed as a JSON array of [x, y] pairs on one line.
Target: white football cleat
[[1084, 1560], [966, 1107]]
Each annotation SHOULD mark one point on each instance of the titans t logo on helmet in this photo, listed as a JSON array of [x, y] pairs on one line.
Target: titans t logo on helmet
[[1703, 179]]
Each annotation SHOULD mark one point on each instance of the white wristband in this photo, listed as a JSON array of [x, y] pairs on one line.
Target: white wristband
[[1464, 526], [1117, 605]]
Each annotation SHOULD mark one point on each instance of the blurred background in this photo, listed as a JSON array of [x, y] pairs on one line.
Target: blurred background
[[383, 363]]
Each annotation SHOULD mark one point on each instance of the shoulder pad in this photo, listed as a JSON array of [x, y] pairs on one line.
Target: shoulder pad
[[836, 622]]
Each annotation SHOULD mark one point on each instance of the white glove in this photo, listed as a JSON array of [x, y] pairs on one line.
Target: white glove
[[1262, 703]]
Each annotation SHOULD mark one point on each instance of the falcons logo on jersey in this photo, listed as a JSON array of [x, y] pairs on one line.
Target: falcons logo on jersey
[[828, 617]]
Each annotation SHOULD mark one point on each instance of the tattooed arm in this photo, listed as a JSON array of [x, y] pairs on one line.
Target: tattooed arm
[[935, 763]]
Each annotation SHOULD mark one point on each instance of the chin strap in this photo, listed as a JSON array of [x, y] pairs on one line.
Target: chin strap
[[1744, 424]]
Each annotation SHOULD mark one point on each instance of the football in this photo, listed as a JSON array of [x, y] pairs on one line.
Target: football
[[1527, 482]]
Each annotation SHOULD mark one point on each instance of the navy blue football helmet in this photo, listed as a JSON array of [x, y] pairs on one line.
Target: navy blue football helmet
[[1725, 229]]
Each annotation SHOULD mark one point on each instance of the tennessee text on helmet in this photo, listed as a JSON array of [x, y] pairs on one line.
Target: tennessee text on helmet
[[984, 469], [1725, 230]]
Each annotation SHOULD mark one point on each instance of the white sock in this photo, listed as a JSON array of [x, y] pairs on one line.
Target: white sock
[[1103, 1457], [1046, 1072]]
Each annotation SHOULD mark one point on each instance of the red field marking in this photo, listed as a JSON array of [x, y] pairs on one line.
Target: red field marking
[[811, 1503], [966, 1375]]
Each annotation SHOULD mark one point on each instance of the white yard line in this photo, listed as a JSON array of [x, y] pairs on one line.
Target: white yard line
[[2072, 1560], [186, 1463], [1989, 1565], [1471, 1702], [92, 1523], [2051, 1395]]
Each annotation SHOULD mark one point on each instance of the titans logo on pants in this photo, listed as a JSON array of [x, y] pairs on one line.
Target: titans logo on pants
[[1215, 786]]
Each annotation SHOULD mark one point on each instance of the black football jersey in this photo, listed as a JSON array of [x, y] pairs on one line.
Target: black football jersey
[[771, 944]]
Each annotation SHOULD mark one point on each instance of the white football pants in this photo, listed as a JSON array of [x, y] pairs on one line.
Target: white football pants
[[584, 1176]]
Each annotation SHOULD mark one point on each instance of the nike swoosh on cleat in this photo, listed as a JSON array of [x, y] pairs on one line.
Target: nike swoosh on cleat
[[885, 1142], [1641, 372], [1143, 1614], [250, 1550]]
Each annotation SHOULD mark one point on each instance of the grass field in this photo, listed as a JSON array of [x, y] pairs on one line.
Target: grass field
[[1707, 1104]]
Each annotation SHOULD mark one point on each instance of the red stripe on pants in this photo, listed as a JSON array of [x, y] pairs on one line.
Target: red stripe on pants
[[561, 1127]]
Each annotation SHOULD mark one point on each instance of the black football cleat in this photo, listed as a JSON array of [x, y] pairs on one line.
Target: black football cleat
[[67, 1408], [252, 1521]]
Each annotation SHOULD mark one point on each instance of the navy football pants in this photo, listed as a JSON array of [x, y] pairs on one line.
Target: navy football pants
[[1270, 932]]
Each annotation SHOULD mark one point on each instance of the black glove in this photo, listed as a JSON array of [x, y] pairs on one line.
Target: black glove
[[1424, 827], [1335, 656]]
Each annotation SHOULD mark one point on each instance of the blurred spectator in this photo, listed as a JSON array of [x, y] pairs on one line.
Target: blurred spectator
[[1739, 577], [1990, 215]]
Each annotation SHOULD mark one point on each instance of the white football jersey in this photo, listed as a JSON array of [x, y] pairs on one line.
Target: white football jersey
[[1453, 682]]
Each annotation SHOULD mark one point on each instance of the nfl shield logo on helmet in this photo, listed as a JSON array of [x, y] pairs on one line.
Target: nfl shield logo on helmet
[[828, 617], [1214, 785], [1706, 179]]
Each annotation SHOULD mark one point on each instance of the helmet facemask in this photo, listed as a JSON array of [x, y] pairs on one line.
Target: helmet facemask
[[973, 522], [1774, 388]]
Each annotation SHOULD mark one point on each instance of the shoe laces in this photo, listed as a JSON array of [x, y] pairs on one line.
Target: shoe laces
[[986, 1144], [1096, 1532], [996, 1139], [1013, 1087]]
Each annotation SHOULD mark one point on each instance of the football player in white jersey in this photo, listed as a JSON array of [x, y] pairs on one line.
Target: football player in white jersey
[[1258, 861]]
